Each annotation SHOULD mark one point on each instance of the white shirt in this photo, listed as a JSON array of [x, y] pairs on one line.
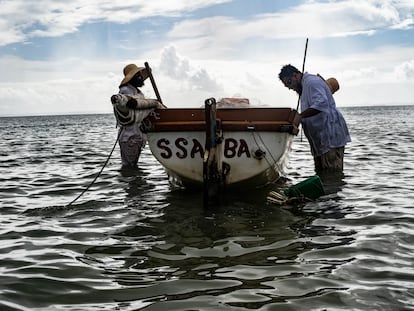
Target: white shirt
[[327, 129]]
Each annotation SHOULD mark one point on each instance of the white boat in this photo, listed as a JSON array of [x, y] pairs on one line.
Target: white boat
[[245, 147]]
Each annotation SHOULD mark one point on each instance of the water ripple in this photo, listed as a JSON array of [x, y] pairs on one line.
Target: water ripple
[[132, 242]]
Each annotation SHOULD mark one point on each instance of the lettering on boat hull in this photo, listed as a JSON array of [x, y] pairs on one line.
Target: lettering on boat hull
[[183, 148], [255, 156]]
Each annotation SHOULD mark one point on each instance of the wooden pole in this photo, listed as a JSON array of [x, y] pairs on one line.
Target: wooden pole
[[154, 86], [211, 181]]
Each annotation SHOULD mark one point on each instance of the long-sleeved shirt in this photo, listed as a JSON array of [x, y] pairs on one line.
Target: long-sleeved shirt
[[327, 129], [130, 119]]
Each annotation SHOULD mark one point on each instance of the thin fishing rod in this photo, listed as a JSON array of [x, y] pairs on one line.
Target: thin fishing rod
[[303, 68], [304, 56]]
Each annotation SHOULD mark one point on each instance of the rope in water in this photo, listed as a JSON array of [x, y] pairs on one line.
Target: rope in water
[[96, 177], [113, 148]]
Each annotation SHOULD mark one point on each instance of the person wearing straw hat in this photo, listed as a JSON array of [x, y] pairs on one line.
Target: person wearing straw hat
[[130, 108], [323, 124]]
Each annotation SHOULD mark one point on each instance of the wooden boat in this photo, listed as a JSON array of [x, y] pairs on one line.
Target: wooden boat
[[228, 146]]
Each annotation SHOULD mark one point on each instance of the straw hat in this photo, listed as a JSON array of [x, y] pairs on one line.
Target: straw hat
[[333, 84], [131, 70]]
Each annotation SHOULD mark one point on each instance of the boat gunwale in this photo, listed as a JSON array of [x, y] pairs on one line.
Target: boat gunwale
[[229, 119]]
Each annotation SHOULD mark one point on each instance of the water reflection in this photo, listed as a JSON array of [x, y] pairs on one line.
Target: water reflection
[[175, 249]]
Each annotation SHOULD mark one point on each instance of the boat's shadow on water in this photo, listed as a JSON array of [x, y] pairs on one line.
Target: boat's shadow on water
[[188, 243], [245, 212]]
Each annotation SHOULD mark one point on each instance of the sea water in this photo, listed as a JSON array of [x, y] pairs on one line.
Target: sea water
[[132, 242]]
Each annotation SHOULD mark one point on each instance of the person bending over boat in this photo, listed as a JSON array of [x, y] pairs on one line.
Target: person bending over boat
[[323, 124], [130, 108]]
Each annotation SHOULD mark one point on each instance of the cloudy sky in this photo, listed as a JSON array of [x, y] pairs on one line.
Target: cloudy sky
[[67, 56]]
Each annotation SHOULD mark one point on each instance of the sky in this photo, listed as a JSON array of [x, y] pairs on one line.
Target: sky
[[67, 56]]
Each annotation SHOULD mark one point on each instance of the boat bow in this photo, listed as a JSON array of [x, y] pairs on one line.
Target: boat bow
[[252, 143]]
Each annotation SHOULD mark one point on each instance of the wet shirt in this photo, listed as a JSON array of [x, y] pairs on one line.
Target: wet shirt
[[327, 129]]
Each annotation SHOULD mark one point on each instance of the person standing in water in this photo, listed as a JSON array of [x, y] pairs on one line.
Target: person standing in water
[[323, 124], [130, 108]]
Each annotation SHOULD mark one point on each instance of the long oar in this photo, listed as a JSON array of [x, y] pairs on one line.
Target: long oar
[[303, 68], [154, 86]]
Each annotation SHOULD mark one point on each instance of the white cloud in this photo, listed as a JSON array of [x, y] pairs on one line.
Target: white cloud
[[56, 97], [217, 56], [383, 76], [405, 71], [313, 19], [173, 65], [64, 86], [404, 24], [22, 19], [187, 75]]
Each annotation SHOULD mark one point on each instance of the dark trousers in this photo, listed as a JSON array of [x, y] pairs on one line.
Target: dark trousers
[[331, 161]]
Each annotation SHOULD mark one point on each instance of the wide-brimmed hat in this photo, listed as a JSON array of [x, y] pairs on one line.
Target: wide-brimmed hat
[[131, 70], [333, 84]]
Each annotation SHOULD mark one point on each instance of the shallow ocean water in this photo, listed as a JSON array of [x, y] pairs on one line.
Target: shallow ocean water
[[134, 243]]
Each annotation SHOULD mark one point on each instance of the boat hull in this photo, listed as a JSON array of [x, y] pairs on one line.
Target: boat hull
[[253, 149]]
